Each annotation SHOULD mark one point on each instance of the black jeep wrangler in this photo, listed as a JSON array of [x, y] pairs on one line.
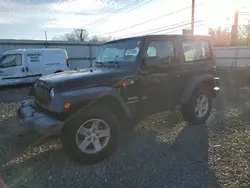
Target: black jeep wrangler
[[130, 79]]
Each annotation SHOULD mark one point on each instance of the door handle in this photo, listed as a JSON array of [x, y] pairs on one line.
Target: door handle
[[23, 69], [27, 69]]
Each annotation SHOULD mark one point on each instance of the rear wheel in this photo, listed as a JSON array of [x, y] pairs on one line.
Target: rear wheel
[[91, 136], [198, 109]]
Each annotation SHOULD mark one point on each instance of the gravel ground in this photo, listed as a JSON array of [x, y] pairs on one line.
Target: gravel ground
[[161, 152]]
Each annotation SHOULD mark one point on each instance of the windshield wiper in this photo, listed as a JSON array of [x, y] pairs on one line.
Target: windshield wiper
[[115, 63], [102, 64], [99, 63]]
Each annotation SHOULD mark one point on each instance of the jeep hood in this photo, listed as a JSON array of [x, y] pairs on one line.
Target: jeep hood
[[69, 80]]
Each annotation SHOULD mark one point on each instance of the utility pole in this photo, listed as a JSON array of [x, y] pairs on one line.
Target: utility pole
[[46, 36], [46, 40], [234, 31], [81, 31], [192, 17], [248, 33]]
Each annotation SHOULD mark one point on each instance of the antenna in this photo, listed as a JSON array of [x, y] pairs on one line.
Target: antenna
[[46, 43], [46, 36]]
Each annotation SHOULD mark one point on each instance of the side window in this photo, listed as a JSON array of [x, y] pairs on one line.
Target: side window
[[10, 61], [162, 50], [151, 52], [196, 50]]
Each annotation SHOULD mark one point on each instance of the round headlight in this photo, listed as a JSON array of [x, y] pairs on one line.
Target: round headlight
[[52, 93]]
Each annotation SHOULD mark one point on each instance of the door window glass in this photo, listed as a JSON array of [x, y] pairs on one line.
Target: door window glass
[[160, 49], [151, 52], [196, 50], [163, 50], [10, 61]]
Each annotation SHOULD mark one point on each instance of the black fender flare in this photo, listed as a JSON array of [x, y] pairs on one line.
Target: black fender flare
[[58, 71], [92, 95], [193, 84]]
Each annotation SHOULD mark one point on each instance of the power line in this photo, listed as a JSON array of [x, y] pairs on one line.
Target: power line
[[159, 17], [244, 12], [129, 10], [121, 9], [185, 28], [141, 5], [174, 27], [148, 21], [103, 20], [165, 28]]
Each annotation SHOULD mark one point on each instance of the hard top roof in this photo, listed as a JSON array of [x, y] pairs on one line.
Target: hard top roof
[[206, 37]]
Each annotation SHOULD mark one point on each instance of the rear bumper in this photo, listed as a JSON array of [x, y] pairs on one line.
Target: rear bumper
[[37, 121]]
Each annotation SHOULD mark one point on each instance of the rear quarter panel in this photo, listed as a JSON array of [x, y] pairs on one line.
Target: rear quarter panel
[[191, 70], [55, 60]]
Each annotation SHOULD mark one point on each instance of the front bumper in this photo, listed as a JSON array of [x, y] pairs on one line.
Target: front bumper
[[37, 121]]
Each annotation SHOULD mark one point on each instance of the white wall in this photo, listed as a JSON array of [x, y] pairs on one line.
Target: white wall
[[232, 56], [78, 52]]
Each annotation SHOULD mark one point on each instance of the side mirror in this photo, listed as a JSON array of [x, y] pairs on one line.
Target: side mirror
[[152, 62]]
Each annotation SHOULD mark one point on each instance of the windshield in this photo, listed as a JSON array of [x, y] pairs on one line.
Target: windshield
[[11, 60], [120, 51]]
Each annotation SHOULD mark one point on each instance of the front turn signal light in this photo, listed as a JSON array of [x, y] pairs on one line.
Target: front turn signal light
[[67, 105]]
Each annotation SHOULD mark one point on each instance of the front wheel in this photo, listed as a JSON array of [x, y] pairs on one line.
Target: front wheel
[[91, 136], [198, 109]]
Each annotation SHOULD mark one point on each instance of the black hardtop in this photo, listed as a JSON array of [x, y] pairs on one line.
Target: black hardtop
[[197, 37]]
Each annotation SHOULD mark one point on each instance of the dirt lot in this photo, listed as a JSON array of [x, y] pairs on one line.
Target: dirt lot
[[161, 152]]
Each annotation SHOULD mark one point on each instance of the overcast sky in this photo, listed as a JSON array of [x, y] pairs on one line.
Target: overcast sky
[[29, 19]]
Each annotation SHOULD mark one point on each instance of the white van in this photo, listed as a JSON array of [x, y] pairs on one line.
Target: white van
[[26, 65]]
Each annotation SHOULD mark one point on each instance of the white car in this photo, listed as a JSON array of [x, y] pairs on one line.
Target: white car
[[26, 65]]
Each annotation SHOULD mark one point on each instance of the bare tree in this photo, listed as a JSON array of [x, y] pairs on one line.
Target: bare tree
[[75, 35], [82, 35], [101, 39], [243, 35], [220, 37]]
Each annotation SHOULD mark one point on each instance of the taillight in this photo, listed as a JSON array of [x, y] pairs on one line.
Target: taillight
[[67, 61]]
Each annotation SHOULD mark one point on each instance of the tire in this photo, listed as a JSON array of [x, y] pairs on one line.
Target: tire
[[189, 110], [71, 138]]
